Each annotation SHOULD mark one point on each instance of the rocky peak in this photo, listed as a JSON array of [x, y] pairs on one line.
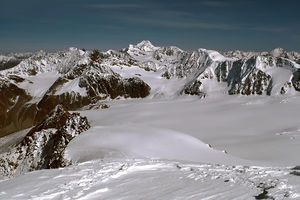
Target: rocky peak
[[56, 119], [141, 48], [145, 45]]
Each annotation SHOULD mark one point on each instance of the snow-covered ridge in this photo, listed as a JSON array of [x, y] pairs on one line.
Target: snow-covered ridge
[[277, 52], [43, 62], [78, 78], [70, 78], [13, 59], [138, 141]]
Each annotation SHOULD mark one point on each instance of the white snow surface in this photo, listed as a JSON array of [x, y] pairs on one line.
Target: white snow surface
[[170, 147], [38, 85], [151, 179], [72, 85], [160, 149]]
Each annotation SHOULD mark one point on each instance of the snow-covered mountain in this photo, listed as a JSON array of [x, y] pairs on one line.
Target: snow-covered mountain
[[30, 90], [81, 79], [137, 147], [12, 59]]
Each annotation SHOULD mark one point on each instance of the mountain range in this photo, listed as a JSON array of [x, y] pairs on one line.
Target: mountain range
[[80, 79], [105, 121]]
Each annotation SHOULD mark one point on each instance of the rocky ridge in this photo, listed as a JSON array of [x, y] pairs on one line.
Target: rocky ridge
[[13, 59], [44, 145], [245, 73], [30, 90], [81, 79]]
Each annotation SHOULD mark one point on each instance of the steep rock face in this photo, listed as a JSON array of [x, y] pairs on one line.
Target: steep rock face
[[43, 147], [196, 62], [28, 94], [15, 113], [79, 79], [87, 84], [250, 76], [296, 80], [172, 61], [194, 88], [152, 58], [246, 78]]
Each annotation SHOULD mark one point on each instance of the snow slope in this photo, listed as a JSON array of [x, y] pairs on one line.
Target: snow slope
[[142, 149], [168, 145], [134, 141], [153, 179], [246, 127]]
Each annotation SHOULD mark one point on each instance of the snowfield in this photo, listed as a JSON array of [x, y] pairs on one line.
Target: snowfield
[[172, 149], [259, 129], [173, 144]]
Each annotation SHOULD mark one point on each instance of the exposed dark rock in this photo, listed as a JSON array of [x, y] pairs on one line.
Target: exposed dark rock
[[286, 87], [136, 88], [244, 78], [296, 80], [44, 145], [265, 192], [15, 113], [99, 82], [9, 64], [222, 71], [296, 173], [296, 168], [194, 89]]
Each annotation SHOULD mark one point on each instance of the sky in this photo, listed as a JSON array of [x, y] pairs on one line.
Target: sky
[[51, 25]]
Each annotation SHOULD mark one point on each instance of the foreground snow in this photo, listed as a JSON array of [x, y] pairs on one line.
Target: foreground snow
[[172, 149], [152, 179]]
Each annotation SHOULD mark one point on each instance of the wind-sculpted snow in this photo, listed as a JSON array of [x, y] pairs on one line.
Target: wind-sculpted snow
[[44, 145], [153, 179]]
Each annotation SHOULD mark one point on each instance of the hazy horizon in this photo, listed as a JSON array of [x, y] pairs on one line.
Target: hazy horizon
[[258, 25]]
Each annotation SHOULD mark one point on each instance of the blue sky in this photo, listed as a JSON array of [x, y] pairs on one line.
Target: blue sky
[[190, 24]]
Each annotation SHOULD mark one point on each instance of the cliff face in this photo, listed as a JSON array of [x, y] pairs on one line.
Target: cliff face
[[44, 145], [80, 79], [37, 85], [257, 75]]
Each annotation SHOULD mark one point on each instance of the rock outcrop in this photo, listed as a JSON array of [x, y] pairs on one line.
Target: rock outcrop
[[37, 85], [80, 79], [44, 145]]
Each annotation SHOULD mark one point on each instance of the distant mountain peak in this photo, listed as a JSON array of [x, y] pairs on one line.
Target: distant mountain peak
[[144, 45], [277, 52]]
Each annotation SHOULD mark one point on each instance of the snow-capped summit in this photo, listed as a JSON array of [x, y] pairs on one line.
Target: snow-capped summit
[[145, 45], [277, 52], [39, 91], [77, 78]]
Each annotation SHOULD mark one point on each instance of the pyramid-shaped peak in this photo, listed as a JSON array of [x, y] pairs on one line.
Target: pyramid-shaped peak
[[145, 45]]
